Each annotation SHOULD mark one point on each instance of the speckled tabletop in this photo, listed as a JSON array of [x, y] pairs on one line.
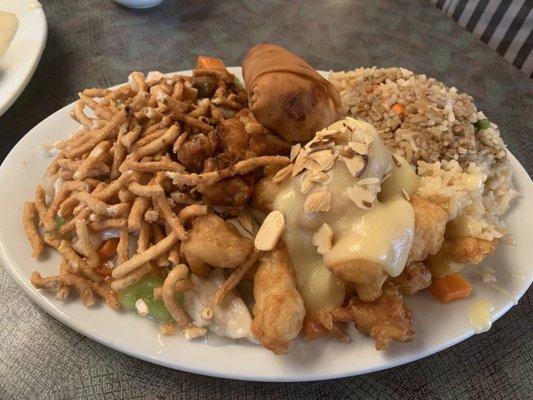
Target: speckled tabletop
[[97, 43]]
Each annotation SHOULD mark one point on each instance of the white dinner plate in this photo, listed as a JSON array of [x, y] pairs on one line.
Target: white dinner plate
[[437, 326], [19, 62]]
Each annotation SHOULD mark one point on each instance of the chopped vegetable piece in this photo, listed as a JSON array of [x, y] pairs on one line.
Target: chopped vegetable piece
[[59, 221], [450, 288], [398, 108], [158, 310], [108, 249], [482, 124], [144, 289], [205, 62]]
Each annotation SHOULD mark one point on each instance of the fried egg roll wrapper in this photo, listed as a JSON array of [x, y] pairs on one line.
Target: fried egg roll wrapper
[[287, 95], [279, 309]]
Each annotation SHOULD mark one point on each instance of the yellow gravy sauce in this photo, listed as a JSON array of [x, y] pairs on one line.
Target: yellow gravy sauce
[[381, 235]]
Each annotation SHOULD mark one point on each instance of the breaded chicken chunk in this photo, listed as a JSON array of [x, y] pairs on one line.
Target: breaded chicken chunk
[[469, 250], [265, 192], [279, 309], [430, 225], [214, 242], [367, 277], [414, 278], [244, 137], [386, 319], [230, 192], [458, 251]]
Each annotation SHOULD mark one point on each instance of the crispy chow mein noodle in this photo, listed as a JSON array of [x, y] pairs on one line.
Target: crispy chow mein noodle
[[173, 200], [111, 192]]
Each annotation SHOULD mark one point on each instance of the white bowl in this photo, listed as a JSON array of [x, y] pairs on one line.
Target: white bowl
[[139, 4]]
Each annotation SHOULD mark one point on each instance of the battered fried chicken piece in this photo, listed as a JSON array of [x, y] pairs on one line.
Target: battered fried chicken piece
[[193, 153], [231, 192], [244, 137], [386, 319], [262, 142], [414, 278], [367, 277], [232, 136], [430, 224], [264, 194], [279, 310], [225, 248], [220, 161], [267, 144], [470, 250], [458, 251]]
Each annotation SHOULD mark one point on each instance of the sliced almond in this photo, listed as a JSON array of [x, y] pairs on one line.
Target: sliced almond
[[319, 177], [347, 126], [306, 182], [359, 148], [347, 152], [270, 231], [372, 184], [406, 195], [362, 198], [312, 165], [318, 201], [327, 132], [295, 150], [323, 238], [368, 181], [283, 174], [322, 138], [311, 177], [324, 158], [299, 163], [397, 160], [321, 146], [356, 165], [358, 135]]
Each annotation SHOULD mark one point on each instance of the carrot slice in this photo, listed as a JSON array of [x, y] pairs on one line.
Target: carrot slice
[[398, 108], [108, 249], [206, 62], [450, 288]]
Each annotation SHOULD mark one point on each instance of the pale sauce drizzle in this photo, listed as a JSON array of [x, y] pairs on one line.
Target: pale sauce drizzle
[[480, 314], [8, 26], [382, 235]]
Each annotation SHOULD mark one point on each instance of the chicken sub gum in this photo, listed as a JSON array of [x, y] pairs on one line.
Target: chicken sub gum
[[348, 215]]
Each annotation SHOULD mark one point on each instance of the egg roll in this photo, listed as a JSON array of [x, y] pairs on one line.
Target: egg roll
[[287, 95]]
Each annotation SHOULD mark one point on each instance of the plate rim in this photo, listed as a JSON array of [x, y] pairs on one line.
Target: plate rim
[[49, 307]]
